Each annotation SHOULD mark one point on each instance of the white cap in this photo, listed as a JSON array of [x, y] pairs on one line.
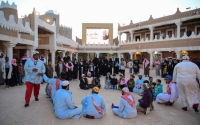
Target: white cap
[[140, 74], [65, 83], [125, 89], [185, 57], [35, 52]]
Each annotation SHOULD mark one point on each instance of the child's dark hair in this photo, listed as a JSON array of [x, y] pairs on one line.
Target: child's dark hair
[[150, 77], [146, 81], [114, 74], [159, 80]]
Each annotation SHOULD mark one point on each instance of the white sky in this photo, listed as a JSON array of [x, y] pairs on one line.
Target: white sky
[[75, 12]]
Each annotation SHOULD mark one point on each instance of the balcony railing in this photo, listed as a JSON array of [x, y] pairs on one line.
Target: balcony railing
[[167, 38]]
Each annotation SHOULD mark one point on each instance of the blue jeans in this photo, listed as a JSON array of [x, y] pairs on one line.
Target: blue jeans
[[114, 86], [19, 79]]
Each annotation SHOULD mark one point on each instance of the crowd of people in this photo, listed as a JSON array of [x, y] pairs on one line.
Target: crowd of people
[[181, 82]]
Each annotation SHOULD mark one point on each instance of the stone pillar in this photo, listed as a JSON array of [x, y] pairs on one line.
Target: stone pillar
[[178, 24], [131, 33], [97, 55], [131, 55], [178, 54], [53, 57], [63, 53], [46, 54], [4, 51], [151, 59], [120, 38], [71, 56], [151, 33], [77, 56], [9, 50]]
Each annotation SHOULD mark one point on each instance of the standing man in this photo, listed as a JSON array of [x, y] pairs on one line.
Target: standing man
[[35, 69], [184, 75], [2, 62]]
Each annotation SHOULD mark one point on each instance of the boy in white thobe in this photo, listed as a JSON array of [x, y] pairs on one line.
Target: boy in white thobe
[[171, 95], [93, 105], [184, 75], [64, 107]]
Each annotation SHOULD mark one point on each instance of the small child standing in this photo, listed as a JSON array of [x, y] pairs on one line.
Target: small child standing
[[114, 82], [157, 89], [131, 83], [20, 73], [107, 81]]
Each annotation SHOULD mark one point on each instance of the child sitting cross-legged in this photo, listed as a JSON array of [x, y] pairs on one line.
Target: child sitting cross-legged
[[131, 83], [158, 88], [114, 82]]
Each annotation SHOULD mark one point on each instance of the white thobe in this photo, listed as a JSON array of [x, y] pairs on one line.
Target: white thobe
[[184, 75], [164, 97], [64, 107]]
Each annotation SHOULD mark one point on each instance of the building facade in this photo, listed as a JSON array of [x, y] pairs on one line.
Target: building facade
[[173, 35]]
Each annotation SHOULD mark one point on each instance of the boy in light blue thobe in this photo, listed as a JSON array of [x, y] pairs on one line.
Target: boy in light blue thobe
[[52, 81], [125, 110], [64, 107], [88, 107]]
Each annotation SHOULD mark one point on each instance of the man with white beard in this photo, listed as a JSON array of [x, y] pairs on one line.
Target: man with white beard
[[184, 75]]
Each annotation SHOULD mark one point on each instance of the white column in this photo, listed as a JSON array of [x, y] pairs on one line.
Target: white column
[[131, 33], [151, 59], [63, 53], [53, 57], [46, 54], [131, 55], [178, 54], [4, 51], [71, 55], [120, 38], [151, 33], [97, 55], [77, 56], [9, 50], [178, 24]]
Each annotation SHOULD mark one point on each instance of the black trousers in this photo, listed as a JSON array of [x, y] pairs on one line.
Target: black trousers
[[70, 73], [7, 80], [75, 74], [123, 71]]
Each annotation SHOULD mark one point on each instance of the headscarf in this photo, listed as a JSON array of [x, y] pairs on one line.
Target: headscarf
[[145, 62], [89, 74], [125, 97], [14, 62]]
